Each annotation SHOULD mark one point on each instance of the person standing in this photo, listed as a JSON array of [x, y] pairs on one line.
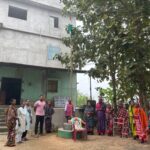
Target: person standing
[[49, 111], [69, 110], [141, 123], [28, 112], [131, 118], [109, 120], [123, 120], [33, 118], [11, 117], [101, 116], [21, 124], [89, 118], [39, 108], [149, 119]]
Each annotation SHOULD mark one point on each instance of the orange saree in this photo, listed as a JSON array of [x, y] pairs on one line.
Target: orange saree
[[141, 123]]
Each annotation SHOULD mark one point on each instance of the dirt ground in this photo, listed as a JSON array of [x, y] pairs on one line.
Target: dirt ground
[[94, 142]]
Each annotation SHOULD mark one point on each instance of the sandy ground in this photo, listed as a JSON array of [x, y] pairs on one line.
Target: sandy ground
[[52, 142]]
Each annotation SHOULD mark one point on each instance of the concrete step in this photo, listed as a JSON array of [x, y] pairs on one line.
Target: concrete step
[[2, 119], [2, 111], [2, 107], [2, 116], [3, 133], [2, 123], [3, 129], [64, 133]]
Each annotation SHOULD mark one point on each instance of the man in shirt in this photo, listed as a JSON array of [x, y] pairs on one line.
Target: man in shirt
[[39, 108]]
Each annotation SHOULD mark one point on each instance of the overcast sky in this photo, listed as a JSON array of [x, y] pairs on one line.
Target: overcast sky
[[83, 85], [83, 80]]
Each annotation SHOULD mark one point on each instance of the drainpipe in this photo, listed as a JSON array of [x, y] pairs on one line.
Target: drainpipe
[[46, 83], [90, 88]]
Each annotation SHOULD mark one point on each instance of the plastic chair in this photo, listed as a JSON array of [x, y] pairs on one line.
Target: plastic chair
[[117, 124], [125, 129], [82, 131]]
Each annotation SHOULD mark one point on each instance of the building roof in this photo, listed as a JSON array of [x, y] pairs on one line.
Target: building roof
[[38, 67], [54, 5]]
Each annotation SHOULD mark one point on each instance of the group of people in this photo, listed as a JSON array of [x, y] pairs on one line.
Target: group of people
[[20, 120], [132, 120], [126, 121]]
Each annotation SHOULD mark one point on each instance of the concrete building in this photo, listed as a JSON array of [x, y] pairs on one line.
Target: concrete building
[[30, 36]]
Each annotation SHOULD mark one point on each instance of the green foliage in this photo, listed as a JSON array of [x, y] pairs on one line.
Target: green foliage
[[115, 37], [107, 93], [82, 99], [78, 50]]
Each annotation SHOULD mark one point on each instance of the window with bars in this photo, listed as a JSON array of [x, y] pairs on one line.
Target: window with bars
[[53, 86]]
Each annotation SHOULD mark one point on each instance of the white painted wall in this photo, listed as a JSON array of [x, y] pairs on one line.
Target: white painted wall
[[53, 3], [22, 48], [16, 47], [38, 20]]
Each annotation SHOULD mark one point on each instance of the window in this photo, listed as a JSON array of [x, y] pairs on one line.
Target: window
[[53, 86], [55, 21], [17, 13], [52, 52]]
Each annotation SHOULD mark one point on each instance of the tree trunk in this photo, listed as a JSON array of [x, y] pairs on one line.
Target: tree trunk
[[114, 91], [143, 98]]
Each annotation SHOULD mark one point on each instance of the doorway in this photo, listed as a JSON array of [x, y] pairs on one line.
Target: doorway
[[12, 89]]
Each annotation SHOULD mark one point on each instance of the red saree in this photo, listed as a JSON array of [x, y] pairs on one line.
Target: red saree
[[141, 124]]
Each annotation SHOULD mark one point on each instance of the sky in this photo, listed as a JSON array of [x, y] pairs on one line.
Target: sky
[[83, 80], [83, 85]]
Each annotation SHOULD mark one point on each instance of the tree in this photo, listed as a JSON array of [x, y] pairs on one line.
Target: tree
[[114, 37], [107, 93], [91, 43], [136, 46], [82, 99]]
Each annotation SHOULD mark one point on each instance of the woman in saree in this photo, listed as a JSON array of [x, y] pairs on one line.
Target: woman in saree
[[49, 111], [89, 118], [101, 116], [149, 119], [141, 123], [69, 110], [109, 120], [123, 120], [11, 117], [131, 118]]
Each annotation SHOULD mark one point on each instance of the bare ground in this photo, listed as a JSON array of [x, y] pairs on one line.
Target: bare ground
[[52, 142]]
